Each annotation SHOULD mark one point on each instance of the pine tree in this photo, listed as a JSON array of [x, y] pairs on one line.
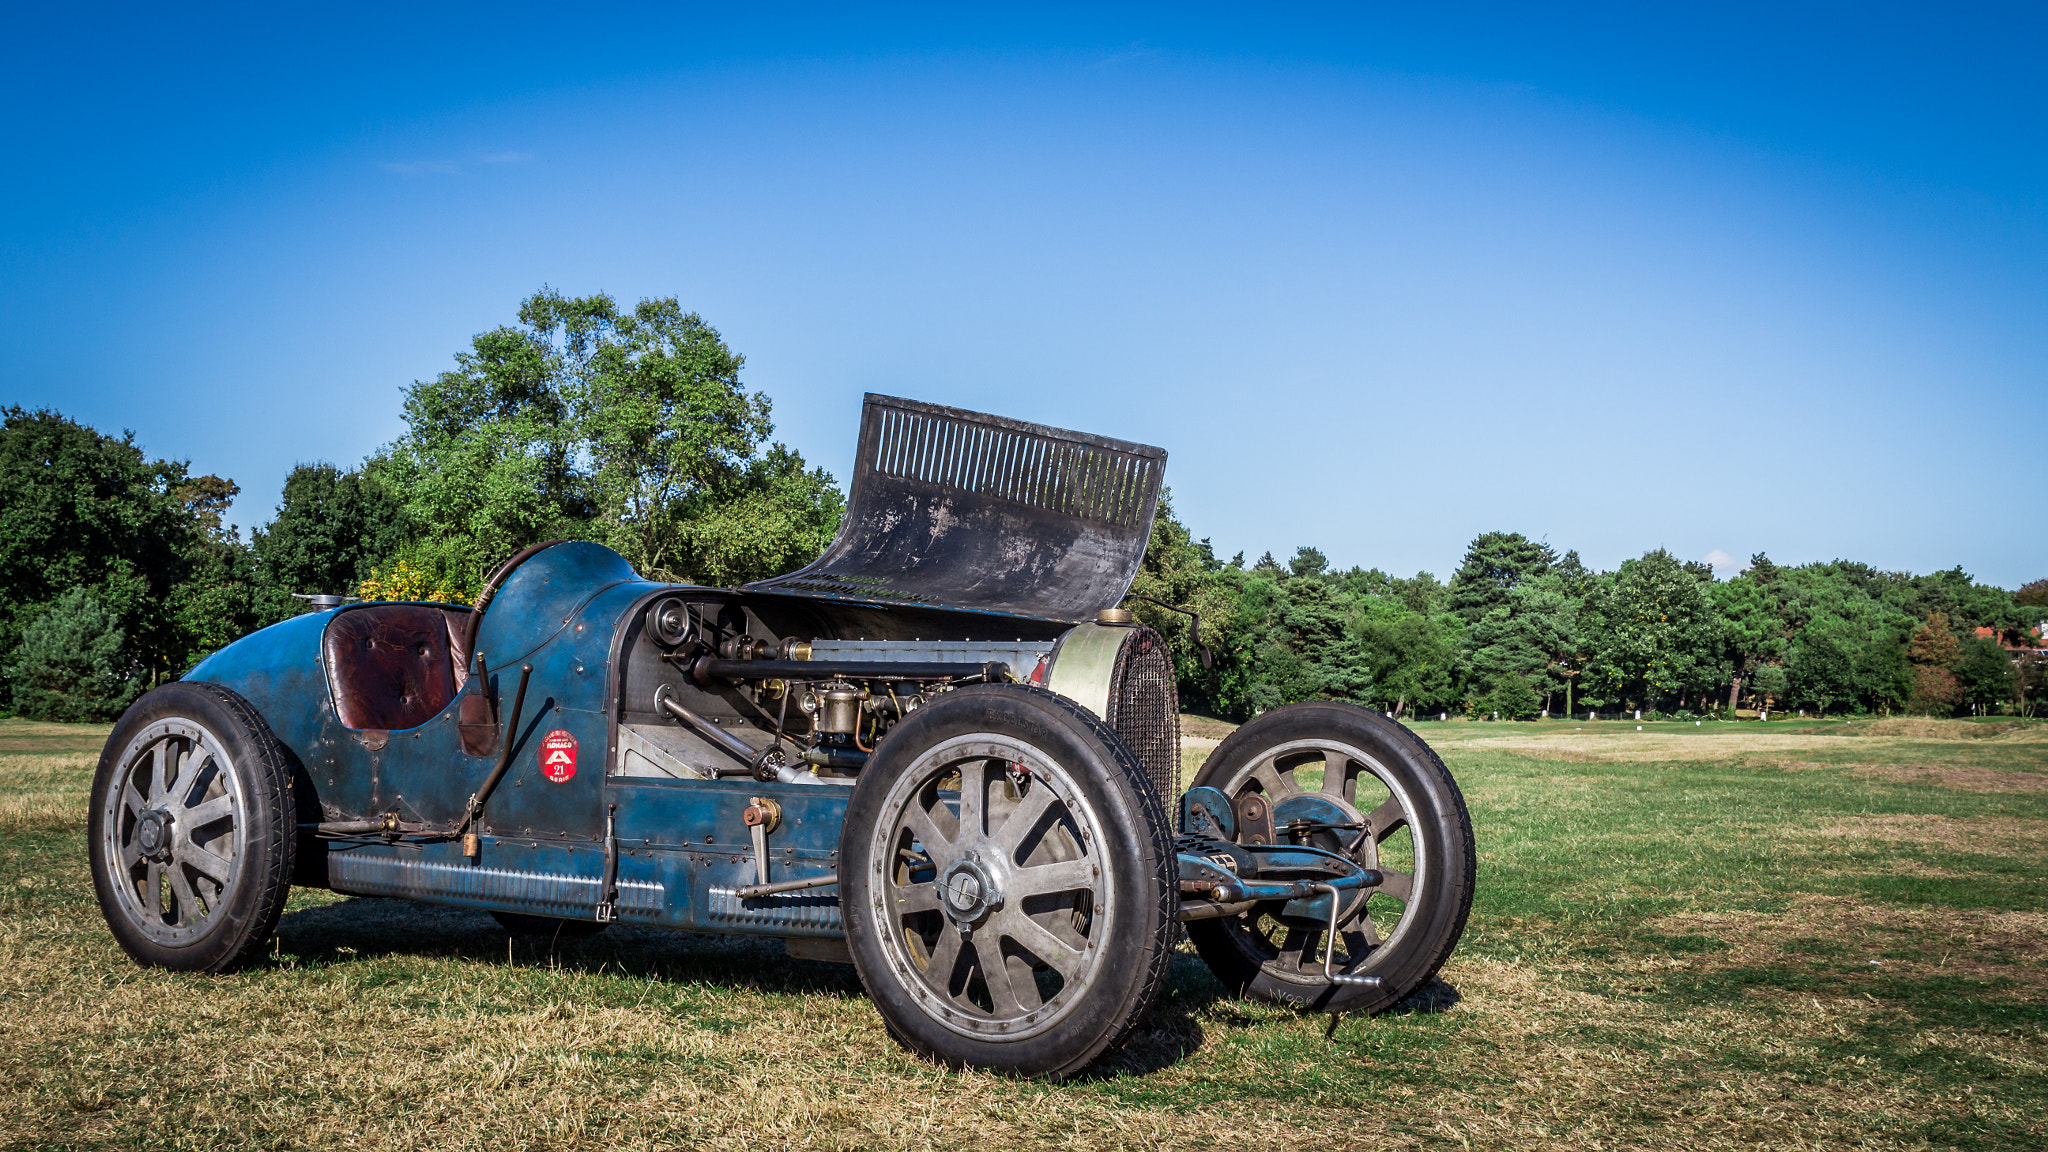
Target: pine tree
[[1934, 645], [71, 664]]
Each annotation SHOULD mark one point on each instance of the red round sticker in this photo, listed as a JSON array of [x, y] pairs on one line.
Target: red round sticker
[[558, 756]]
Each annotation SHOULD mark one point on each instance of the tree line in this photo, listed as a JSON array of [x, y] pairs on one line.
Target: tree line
[[584, 420], [1519, 631], [630, 427]]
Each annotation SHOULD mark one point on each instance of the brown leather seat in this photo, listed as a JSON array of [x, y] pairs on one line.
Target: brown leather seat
[[394, 666]]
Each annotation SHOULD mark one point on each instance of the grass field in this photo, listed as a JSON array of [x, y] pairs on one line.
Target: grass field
[[1783, 936]]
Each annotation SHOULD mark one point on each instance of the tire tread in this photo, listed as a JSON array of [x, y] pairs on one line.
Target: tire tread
[[269, 883], [1458, 899]]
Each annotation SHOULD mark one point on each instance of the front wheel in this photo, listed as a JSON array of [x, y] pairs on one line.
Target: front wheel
[[1351, 781], [193, 829], [1007, 881]]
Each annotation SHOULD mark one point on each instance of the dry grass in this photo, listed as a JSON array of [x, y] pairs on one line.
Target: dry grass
[[1663, 955], [1205, 727], [1963, 778], [1649, 747], [1928, 729], [45, 791], [1661, 742], [1991, 836]]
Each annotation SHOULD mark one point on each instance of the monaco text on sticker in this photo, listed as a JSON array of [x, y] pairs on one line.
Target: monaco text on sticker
[[558, 756]]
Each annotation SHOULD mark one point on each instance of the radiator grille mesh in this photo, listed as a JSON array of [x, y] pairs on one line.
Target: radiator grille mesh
[[1085, 480], [1144, 708]]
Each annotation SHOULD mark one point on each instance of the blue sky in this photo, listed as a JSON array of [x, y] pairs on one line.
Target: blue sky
[[1379, 279]]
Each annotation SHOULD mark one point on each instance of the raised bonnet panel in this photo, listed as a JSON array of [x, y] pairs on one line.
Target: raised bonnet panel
[[960, 509]]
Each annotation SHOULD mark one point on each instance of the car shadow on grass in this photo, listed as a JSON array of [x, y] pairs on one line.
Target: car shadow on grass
[[1193, 1001], [361, 928]]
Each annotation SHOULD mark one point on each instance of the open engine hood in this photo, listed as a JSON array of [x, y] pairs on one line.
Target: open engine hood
[[957, 509]]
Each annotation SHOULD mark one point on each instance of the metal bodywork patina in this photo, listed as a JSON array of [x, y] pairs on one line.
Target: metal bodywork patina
[[964, 532]]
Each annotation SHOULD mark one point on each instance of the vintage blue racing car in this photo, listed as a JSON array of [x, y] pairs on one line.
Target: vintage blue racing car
[[944, 753]]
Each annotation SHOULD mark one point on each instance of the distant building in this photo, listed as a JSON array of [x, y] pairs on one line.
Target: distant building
[[2020, 643]]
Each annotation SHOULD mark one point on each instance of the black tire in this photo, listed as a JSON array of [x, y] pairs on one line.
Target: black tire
[[1258, 954], [521, 926], [1066, 881], [192, 867]]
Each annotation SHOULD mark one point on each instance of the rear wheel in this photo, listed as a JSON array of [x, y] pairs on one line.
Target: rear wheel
[[193, 829], [1007, 882], [1351, 781]]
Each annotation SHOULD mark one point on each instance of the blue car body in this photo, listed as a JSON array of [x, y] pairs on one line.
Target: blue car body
[[578, 828]]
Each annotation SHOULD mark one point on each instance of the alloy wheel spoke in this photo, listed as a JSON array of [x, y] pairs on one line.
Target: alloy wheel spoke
[[1294, 949], [1062, 876], [1399, 885], [937, 846], [1388, 818], [159, 766], [943, 966], [153, 889], [1036, 939], [973, 799], [1361, 940], [912, 898], [130, 855], [1269, 778], [1336, 770], [1023, 819], [183, 766], [205, 861], [1009, 995], [188, 900], [132, 799], [204, 813]]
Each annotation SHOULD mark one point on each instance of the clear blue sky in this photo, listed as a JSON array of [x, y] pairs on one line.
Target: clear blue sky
[[1719, 279]]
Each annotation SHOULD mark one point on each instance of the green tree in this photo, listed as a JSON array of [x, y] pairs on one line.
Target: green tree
[[332, 528], [1855, 607], [1413, 657], [626, 427], [1179, 570], [771, 517], [72, 664], [79, 509], [487, 464], [1983, 673], [1510, 696], [2029, 681], [214, 600], [1752, 622], [2033, 594], [1651, 632], [1532, 635], [1495, 562], [1308, 561], [1821, 667], [1769, 684]]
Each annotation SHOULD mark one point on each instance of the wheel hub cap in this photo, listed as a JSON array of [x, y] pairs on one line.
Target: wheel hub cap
[[153, 833], [970, 889]]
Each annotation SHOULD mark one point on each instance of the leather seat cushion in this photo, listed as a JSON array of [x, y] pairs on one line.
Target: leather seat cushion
[[391, 665]]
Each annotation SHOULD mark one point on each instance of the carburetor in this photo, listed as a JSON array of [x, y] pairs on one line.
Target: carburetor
[[835, 708]]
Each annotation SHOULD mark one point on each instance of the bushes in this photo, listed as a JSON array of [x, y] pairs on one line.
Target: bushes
[[72, 663]]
